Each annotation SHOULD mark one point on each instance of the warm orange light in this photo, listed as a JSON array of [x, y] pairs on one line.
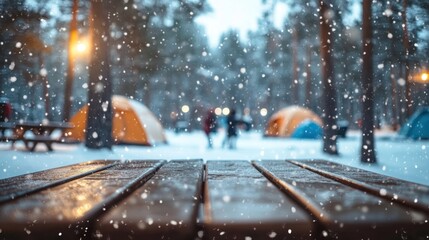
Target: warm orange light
[[425, 77], [421, 77], [81, 47]]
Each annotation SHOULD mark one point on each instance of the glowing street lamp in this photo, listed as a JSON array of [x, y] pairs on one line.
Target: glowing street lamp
[[218, 111], [81, 47], [185, 108], [425, 77], [422, 77], [225, 111]]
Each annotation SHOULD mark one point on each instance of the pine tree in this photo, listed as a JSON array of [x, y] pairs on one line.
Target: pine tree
[[99, 116], [329, 104], [368, 144]]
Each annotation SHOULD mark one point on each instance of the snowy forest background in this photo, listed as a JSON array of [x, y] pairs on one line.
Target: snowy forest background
[[161, 56]]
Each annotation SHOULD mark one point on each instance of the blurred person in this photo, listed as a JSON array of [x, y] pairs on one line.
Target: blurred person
[[5, 110], [210, 126], [231, 130], [246, 120]]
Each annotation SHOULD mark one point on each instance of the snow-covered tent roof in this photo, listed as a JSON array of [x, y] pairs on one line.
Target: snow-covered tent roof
[[417, 126], [284, 122], [133, 123]]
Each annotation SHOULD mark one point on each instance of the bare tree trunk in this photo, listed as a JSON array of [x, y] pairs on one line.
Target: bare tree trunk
[[147, 97], [45, 84], [367, 148], [99, 119], [70, 64], [394, 96], [394, 91], [308, 90], [330, 100], [295, 80], [406, 42]]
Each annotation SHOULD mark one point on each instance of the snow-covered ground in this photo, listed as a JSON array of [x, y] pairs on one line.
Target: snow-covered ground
[[403, 159]]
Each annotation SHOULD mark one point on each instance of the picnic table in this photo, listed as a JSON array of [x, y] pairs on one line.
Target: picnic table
[[41, 132], [4, 127], [196, 199]]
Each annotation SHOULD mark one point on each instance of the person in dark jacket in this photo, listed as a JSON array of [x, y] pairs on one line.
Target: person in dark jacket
[[210, 126], [5, 110], [231, 131]]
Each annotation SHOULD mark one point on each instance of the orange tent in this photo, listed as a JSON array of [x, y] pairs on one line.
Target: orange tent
[[284, 122], [133, 123]]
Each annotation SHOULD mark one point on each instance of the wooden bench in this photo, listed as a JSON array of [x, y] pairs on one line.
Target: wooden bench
[[7, 139], [4, 128], [39, 133], [193, 199], [31, 143]]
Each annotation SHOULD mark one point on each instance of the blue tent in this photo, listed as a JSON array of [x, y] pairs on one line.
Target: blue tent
[[308, 129], [417, 127]]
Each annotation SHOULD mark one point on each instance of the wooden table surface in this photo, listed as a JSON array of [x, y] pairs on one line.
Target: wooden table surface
[[196, 199]]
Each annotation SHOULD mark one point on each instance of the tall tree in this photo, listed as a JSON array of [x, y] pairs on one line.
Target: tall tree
[[367, 148], [130, 26], [393, 86], [406, 42], [21, 43], [99, 116], [295, 66], [329, 104], [70, 63], [234, 67]]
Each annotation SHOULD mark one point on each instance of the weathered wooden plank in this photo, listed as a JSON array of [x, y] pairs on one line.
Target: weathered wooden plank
[[12, 188], [166, 207], [240, 203], [149, 200], [344, 212], [411, 194], [68, 210]]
